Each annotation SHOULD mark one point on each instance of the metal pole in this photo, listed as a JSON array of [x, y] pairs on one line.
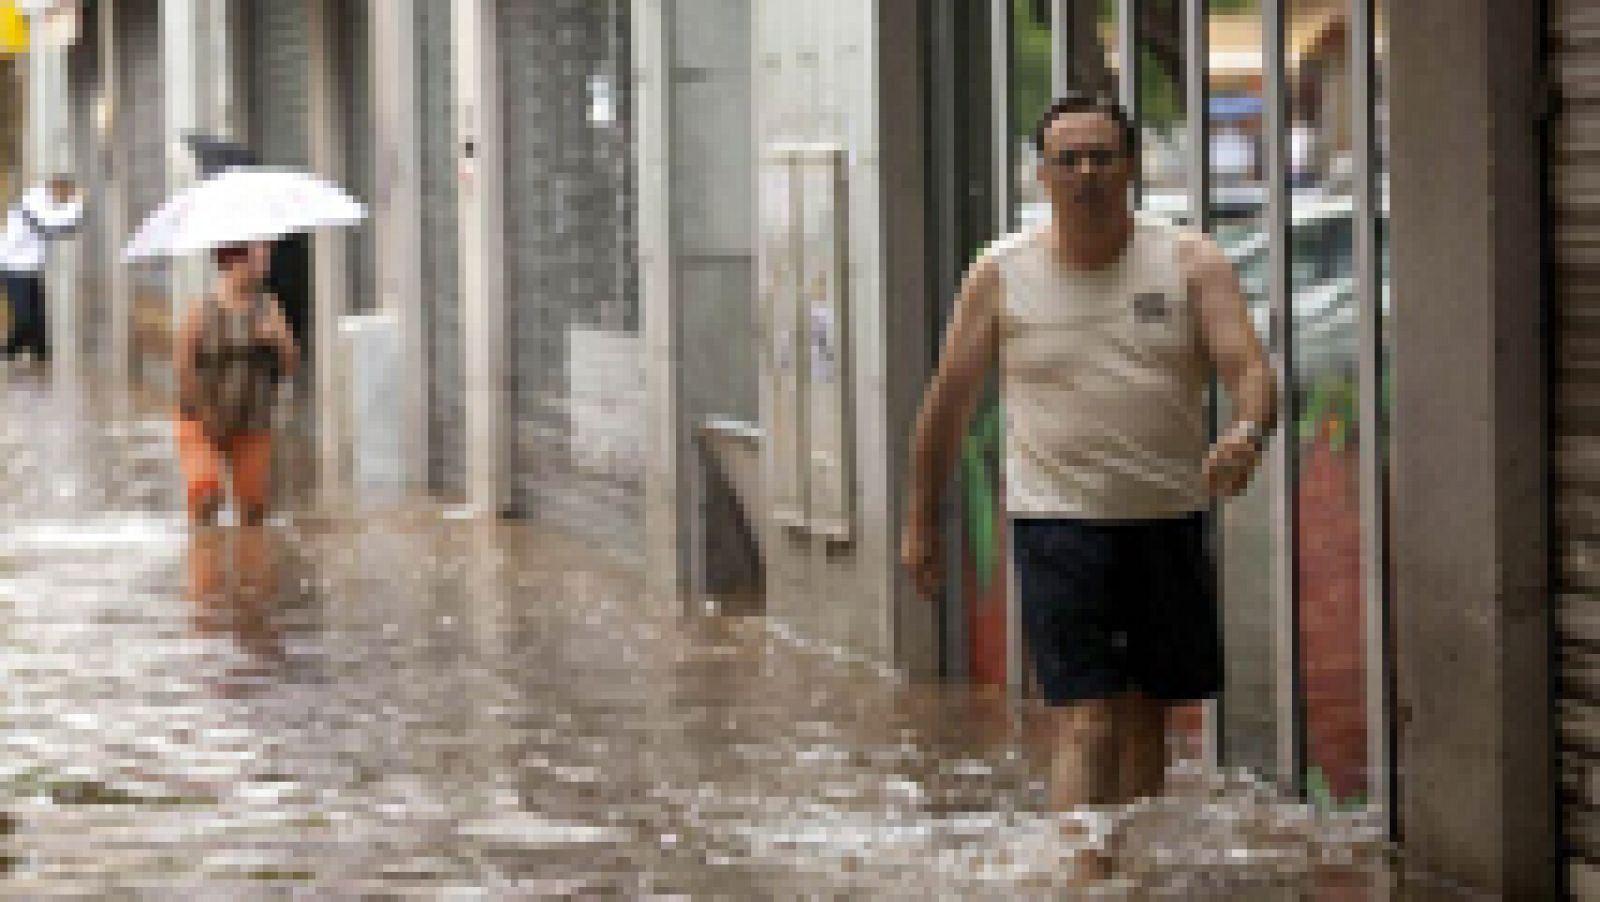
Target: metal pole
[[1291, 735], [1128, 56], [1196, 60], [485, 349], [1060, 46], [1005, 200], [1375, 608]]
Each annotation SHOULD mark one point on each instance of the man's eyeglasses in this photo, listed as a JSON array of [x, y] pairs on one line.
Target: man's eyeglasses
[[1096, 157]]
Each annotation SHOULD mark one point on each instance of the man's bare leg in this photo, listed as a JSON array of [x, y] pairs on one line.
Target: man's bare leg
[[1084, 769], [1141, 725]]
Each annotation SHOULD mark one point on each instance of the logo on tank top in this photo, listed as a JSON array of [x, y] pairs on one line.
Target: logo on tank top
[[1150, 307]]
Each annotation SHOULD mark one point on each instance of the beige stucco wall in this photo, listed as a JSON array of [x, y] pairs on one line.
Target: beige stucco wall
[[846, 71]]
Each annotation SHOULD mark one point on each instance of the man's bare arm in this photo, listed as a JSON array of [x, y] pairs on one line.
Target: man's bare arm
[[1231, 340], [1235, 350], [971, 346]]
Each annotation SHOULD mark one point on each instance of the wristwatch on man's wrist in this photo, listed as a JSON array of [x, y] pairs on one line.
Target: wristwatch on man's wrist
[[1251, 431]]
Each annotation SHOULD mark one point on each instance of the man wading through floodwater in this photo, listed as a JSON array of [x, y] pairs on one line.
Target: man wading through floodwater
[[1107, 329]]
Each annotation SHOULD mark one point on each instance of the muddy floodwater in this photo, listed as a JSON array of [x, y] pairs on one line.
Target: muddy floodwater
[[420, 704]]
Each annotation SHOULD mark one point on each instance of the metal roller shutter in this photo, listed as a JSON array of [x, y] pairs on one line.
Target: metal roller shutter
[[278, 45], [280, 66], [353, 31], [441, 296], [1575, 190], [142, 123], [570, 275]]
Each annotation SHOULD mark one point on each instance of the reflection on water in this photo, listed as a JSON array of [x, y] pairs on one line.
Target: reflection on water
[[416, 704]]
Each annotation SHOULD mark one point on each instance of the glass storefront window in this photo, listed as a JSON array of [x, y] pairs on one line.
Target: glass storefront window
[[1317, 328], [1090, 38], [1380, 170], [1326, 432], [1162, 110], [1031, 94], [1236, 196]]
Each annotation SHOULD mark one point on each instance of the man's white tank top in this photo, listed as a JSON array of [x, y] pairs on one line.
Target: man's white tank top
[[1103, 381]]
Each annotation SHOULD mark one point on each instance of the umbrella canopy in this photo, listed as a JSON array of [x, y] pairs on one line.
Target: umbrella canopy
[[242, 205]]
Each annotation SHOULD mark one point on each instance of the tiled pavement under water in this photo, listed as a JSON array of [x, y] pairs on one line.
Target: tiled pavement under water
[[417, 704]]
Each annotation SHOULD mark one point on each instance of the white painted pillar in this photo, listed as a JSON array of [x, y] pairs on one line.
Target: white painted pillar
[[397, 212], [479, 145], [663, 499], [330, 253], [51, 150], [223, 111], [183, 77], [114, 214]]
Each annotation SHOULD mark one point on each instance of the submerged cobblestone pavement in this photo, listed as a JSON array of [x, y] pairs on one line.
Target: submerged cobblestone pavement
[[420, 705]]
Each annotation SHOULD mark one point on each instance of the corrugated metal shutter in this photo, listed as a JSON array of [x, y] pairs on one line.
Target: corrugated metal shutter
[[280, 81], [143, 122], [278, 44], [570, 273], [1575, 191], [441, 294], [353, 31]]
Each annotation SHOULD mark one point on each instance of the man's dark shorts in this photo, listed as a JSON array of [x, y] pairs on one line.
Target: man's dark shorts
[[1112, 606]]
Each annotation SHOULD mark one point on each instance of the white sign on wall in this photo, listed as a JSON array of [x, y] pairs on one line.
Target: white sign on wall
[[805, 311], [829, 475], [782, 338]]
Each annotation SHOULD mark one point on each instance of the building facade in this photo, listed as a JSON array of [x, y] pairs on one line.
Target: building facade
[[672, 274]]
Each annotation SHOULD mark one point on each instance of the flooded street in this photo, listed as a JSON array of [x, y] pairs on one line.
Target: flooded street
[[420, 705]]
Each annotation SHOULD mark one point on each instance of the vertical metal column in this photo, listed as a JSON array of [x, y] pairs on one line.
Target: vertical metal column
[[115, 218], [1197, 96], [483, 314], [946, 188], [1128, 56], [1128, 76], [51, 150], [1000, 86], [1275, 89], [397, 215], [222, 111], [1196, 60], [1000, 35], [1060, 46], [183, 74], [1374, 543], [665, 484], [330, 250]]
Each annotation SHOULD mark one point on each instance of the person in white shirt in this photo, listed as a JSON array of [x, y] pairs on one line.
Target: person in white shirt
[[49, 212], [1108, 329]]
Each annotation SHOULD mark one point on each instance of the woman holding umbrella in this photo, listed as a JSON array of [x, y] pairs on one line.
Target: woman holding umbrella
[[231, 347], [234, 343]]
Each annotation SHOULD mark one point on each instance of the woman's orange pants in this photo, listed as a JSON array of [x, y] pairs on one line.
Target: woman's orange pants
[[247, 457]]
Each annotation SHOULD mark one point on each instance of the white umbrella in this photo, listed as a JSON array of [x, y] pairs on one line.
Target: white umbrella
[[240, 205]]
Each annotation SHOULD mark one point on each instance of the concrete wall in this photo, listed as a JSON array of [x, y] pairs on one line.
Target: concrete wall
[[849, 72], [1471, 594], [713, 179], [712, 183]]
